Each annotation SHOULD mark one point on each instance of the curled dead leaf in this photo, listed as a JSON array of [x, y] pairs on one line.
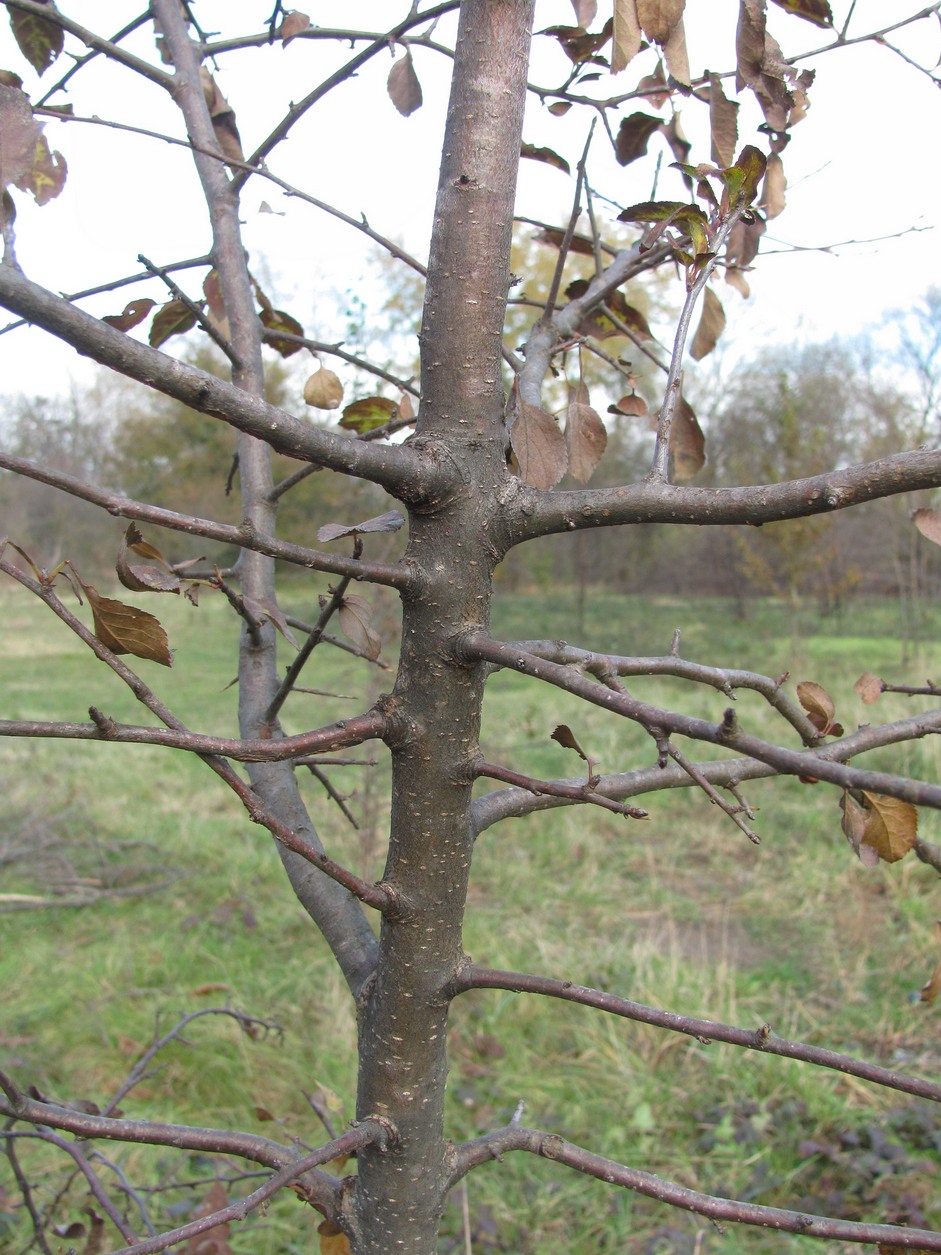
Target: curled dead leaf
[[819, 706], [868, 687], [323, 390]]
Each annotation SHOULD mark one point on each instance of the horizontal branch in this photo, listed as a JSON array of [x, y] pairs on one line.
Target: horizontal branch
[[762, 1039], [244, 536], [542, 513], [346, 732], [515, 802], [822, 763], [606, 667], [551, 1146], [396, 467], [583, 791]]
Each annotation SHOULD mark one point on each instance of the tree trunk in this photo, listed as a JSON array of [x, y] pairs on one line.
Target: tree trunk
[[400, 1194]]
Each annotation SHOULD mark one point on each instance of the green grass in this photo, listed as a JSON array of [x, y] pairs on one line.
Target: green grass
[[679, 911]]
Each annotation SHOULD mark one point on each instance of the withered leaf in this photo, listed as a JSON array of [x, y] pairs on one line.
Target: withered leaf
[[560, 108], [876, 824], [566, 737], [632, 405], [356, 624], [585, 12], [275, 320], [627, 35], [142, 578], [127, 630], [215, 302], [676, 55], [585, 439], [868, 687], [550, 157], [134, 313], [19, 135], [213, 1241], [403, 86], [323, 390], [333, 1241], [723, 123], [223, 118], [406, 408], [928, 522], [39, 40], [819, 706], [774, 187], [554, 237], [816, 11], [172, 319], [578, 44], [687, 444], [634, 135], [261, 608], [539, 447], [368, 414], [391, 521], [654, 86], [711, 326], [598, 325], [45, 178], [658, 18], [294, 22]]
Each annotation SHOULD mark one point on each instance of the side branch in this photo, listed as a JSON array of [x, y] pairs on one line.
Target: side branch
[[245, 536], [551, 1146], [541, 514], [762, 1039], [346, 732], [817, 762], [397, 467]]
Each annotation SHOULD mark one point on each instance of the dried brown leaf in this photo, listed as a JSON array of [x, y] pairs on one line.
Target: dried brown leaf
[[294, 22], [627, 35], [391, 521], [261, 608], [659, 18], [675, 54], [548, 155], [355, 619], [333, 1241], [403, 86], [892, 826], [816, 11], [19, 135], [711, 326], [539, 447], [928, 522], [46, 176], [323, 390], [585, 12], [634, 135], [39, 40], [275, 321], [141, 578], [214, 1241], [819, 706], [127, 630], [172, 319], [775, 185], [631, 405], [586, 440], [134, 313], [868, 687], [723, 123], [687, 444]]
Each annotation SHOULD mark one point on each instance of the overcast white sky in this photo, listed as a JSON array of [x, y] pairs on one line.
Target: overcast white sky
[[858, 167]]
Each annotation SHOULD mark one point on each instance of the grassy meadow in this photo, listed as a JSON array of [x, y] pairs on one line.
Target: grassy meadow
[[680, 911]]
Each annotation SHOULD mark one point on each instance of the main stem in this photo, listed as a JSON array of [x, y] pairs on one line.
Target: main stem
[[454, 544]]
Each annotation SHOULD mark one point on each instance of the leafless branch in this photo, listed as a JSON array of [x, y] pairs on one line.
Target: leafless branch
[[551, 1146], [584, 792]]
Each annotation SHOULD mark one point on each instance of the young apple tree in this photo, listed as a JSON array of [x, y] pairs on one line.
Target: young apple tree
[[473, 451]]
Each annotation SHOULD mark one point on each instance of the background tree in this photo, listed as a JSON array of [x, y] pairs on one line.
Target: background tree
[[476, 479]]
